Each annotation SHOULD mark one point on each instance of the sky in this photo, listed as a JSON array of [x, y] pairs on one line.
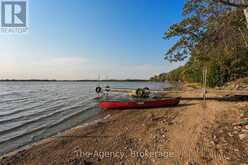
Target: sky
[[82, 39]]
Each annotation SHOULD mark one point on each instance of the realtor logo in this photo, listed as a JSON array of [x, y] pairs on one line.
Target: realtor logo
[[13, 16]]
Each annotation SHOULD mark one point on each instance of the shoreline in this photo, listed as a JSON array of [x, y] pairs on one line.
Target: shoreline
[[192, 132], [88, 122], [10, 147]]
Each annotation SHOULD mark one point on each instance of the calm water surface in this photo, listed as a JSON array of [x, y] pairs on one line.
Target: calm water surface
[[30, 111]]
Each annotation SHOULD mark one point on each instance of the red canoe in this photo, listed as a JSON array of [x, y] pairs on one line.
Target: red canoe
[[135, 104]]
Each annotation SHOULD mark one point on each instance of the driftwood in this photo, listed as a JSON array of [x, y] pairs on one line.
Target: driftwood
[[220, 98], [222, 95]]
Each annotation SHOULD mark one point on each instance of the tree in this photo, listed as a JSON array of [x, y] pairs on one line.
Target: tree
[[199, 16], [213, 35], [234, 3], [237, 3]]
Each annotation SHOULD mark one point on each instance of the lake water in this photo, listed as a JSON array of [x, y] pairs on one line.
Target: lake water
[[31, 111]]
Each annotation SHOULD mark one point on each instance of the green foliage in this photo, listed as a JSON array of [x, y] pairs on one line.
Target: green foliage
[[215, 37]]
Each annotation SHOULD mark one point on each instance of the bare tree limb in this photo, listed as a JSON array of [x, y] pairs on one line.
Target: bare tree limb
[[246, 15]]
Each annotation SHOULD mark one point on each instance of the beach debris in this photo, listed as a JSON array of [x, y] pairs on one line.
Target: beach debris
[[244, 130], [150, 116], [214, 137], [106, 117], [237, 127], [242, 136], [227, 158], [212, 143], [236, 149], [158, 118], [230, 134]]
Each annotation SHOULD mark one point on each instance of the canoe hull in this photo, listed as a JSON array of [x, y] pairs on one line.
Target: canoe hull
[[136, 104]]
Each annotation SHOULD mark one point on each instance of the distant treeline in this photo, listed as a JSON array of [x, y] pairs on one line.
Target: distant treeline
[[212, 36], [112, 80]]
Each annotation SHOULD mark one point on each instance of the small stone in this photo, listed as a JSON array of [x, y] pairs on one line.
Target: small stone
[[3, 158], [237, 127], [244, 130], [236, 150], [230, 134], [227, 158], [245, 119], [246, 127], [218, 146], [234, 124], [221, 131], [242, 136], [235, 132]]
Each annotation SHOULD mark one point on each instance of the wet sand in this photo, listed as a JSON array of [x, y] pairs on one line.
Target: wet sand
[[195, 132]]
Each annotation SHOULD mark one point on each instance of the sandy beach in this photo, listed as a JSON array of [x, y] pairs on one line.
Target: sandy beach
[[195, 132]]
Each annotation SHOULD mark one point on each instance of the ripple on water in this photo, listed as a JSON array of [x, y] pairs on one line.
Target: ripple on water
[[30, 111]]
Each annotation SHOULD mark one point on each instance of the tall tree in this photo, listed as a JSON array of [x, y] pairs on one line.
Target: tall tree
[[212, 34], [237, 3], [192, 29]]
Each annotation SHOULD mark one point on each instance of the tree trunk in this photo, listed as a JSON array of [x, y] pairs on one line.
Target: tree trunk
[[246, 15]]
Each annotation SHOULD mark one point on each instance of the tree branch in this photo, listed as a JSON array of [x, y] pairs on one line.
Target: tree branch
[[229, 3]]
